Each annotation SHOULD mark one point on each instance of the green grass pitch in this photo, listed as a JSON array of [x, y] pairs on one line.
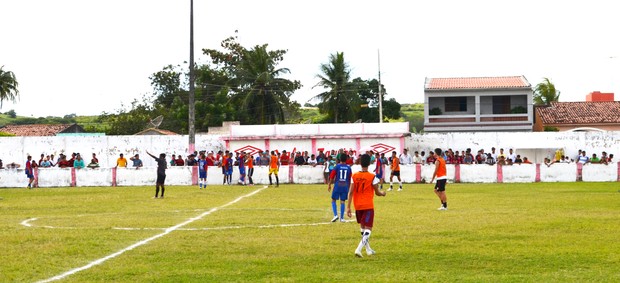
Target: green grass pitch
[[544, 232]]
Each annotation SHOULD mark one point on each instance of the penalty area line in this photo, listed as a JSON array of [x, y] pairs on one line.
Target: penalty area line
[[147, 240]]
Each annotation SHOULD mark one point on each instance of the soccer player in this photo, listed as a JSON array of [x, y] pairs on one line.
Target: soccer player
[[29, 172], [274, 166], [241, 164], [442, 178], [395, 171], [229, 168], [202, 171], [364, 186], [250, 163], [341, 177], [161, 173], [379, 169], [224, 165]]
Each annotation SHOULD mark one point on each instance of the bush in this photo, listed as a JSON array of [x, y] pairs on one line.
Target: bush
[[518, 110], [435, 111]]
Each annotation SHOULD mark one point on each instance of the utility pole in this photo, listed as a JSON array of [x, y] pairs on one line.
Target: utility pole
[[192, 106], [380, 89]]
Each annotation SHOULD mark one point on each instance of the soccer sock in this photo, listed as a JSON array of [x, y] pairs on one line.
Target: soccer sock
[[162, 191], [445, 204], [156, 191], [270, 182], [366, 239], [390, 184], [334, 208], [400, 184], [341, 210], [277, 181]]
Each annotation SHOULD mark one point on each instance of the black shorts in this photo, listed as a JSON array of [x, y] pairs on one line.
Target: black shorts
[[161, 178], [395, 173], [441, 185]]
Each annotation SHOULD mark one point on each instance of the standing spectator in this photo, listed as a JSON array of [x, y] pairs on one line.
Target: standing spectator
[[320, 158], [518, 160], [191, 160], [46, 162], [173, 160], [326, 169], [299, 159], [63, 163], [405, 157], [595, 159], [52, 164], [70, 161], [137, 163], [94, 162], [431, 158], [1, 165], [468, 158], [417, 159], [179, 161], [583, 158], [284, 158], [512, 156], [493, 155], [526, 161], [121, 161], [29, 171], [41, 159], [312, 161], [78, 163]]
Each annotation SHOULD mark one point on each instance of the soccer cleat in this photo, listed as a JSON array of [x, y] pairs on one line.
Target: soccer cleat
[[358, 253], [342, 220], [370, 251], [400, 189], [390, 189], [442, 208], [335, 219]]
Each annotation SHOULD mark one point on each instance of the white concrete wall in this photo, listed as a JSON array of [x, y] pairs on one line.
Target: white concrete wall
[[526, 173]]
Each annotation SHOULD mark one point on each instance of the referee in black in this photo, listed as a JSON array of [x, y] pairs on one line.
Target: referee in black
[[161, 173]]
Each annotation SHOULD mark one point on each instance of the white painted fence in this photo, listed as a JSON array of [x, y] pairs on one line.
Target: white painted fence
[[145, 176]]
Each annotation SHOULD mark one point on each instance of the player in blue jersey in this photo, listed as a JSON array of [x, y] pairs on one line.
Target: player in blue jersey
[[241, 161], [202, 171], [340, 176], [229, 168]]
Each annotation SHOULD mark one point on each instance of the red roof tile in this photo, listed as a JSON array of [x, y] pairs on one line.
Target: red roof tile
[[476, 83], [35, 130], [580, 113]]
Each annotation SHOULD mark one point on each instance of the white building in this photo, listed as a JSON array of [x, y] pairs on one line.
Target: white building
[[478, 104]]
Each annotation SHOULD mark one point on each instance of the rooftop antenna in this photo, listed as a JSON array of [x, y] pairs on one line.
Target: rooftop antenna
[[154, 123]]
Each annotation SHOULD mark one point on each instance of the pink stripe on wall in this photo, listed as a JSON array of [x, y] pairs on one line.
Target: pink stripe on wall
[[402, 144], [618, 171], [114, 177], [358, 145], [313, 141], [228, 144], [579, 171], [457, 173], [537, 179], [291, 171], [418, 173], [73, 177], [194, 175], [500, 174], [267, 145]]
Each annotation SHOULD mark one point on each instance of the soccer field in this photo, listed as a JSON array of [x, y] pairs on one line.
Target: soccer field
[[492, 233]]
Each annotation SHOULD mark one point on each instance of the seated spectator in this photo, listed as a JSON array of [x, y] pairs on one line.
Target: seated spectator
[[191, 160], [179, 161], [518, 159], [526, 161], [94, 162], [431, 158], [595, 159], [137, 163], [78, 163], [63, 163], [12, 165], [46, 162]]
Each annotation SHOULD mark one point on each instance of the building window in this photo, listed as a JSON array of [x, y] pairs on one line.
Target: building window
[[456, 104], [501, 104]]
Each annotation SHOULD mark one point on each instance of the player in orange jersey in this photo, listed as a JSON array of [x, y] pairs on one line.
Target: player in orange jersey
[[442, 178], [364, 186], [395, 171], [274, 166]]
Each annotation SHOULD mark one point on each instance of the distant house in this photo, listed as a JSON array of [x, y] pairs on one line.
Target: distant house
[[478, 104], [155, 132], [599, 113], [42, 129]]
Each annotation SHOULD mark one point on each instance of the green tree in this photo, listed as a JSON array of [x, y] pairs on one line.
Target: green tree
[[340, 100], [368, 92], [255, 81], [8, 86], [545, 93]]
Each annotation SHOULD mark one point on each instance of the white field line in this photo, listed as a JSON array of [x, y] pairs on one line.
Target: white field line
[[233, 227], [147, 240], [27, 224]]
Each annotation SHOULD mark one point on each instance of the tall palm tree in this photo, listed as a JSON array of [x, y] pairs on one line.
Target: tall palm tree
[[8, 86], [262, 91], [545, 93], [340, 96]]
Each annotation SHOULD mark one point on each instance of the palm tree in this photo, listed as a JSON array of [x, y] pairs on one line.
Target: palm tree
[[8, 86], [340, 96], [545, 93], [262, 91]]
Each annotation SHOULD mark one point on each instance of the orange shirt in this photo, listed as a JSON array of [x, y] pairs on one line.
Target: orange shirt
[[250, 162], [395, 164], [274, 162], [441, 170], [224, 161], [363, 190]]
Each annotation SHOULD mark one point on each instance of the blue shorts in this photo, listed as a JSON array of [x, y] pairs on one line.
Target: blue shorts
[[202, 174], [228, 172], [30, 175], [242, 170], [379, 175], [340, 193]]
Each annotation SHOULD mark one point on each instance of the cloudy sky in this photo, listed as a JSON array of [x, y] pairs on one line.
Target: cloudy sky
[[86, 57]]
